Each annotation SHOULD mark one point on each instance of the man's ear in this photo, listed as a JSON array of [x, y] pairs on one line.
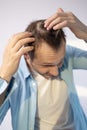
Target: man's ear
[[26, 56]]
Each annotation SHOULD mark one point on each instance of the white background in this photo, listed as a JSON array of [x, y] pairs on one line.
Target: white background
[[15, 15]]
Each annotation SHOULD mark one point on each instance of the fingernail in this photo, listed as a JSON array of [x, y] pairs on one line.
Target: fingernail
[[48, 28], [44, 25]]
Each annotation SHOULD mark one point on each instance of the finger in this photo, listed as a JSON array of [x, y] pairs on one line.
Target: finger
[[55, 22], [50, 19], [67, 22], [59, 13], [16, 37], [61, 25], [60, 10], [24, 50], [23, 42]]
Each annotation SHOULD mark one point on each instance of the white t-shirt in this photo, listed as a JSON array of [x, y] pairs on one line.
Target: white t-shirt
[[53, 109]]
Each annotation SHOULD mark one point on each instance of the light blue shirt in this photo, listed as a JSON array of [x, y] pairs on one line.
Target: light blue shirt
[[22, 92]]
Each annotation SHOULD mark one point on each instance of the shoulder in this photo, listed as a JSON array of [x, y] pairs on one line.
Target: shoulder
[[75, 52]]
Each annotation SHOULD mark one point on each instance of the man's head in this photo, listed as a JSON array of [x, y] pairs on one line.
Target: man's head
[[49, 49]]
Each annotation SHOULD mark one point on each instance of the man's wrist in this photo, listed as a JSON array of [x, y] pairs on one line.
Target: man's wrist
[[5, 78]]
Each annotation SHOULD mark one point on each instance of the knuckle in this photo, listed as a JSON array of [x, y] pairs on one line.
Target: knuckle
[[70, 13], [16, 36], [20, 42], [59, 18], [13, 36], [66, 22]]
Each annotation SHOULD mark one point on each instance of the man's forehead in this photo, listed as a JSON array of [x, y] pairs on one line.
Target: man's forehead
[[53, 61], [49, 60], [46, 53]]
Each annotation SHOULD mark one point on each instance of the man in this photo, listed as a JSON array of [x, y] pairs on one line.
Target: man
[[36, 76]]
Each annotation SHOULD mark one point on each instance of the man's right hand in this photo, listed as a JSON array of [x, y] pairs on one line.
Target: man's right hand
[[13, 52]]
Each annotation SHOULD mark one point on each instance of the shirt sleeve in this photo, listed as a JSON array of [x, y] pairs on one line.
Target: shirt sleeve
[[77, 56], [6, 104], [3, 85]]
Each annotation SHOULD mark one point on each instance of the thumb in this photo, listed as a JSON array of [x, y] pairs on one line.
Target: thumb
[[60, 10]]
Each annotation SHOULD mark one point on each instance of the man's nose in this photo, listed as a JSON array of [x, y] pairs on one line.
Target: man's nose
[[54, 71]]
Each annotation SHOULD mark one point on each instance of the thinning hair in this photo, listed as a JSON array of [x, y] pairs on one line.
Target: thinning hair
[[53, 38]]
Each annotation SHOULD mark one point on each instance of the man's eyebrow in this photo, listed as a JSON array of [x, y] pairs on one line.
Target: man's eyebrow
[[48, 63]]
